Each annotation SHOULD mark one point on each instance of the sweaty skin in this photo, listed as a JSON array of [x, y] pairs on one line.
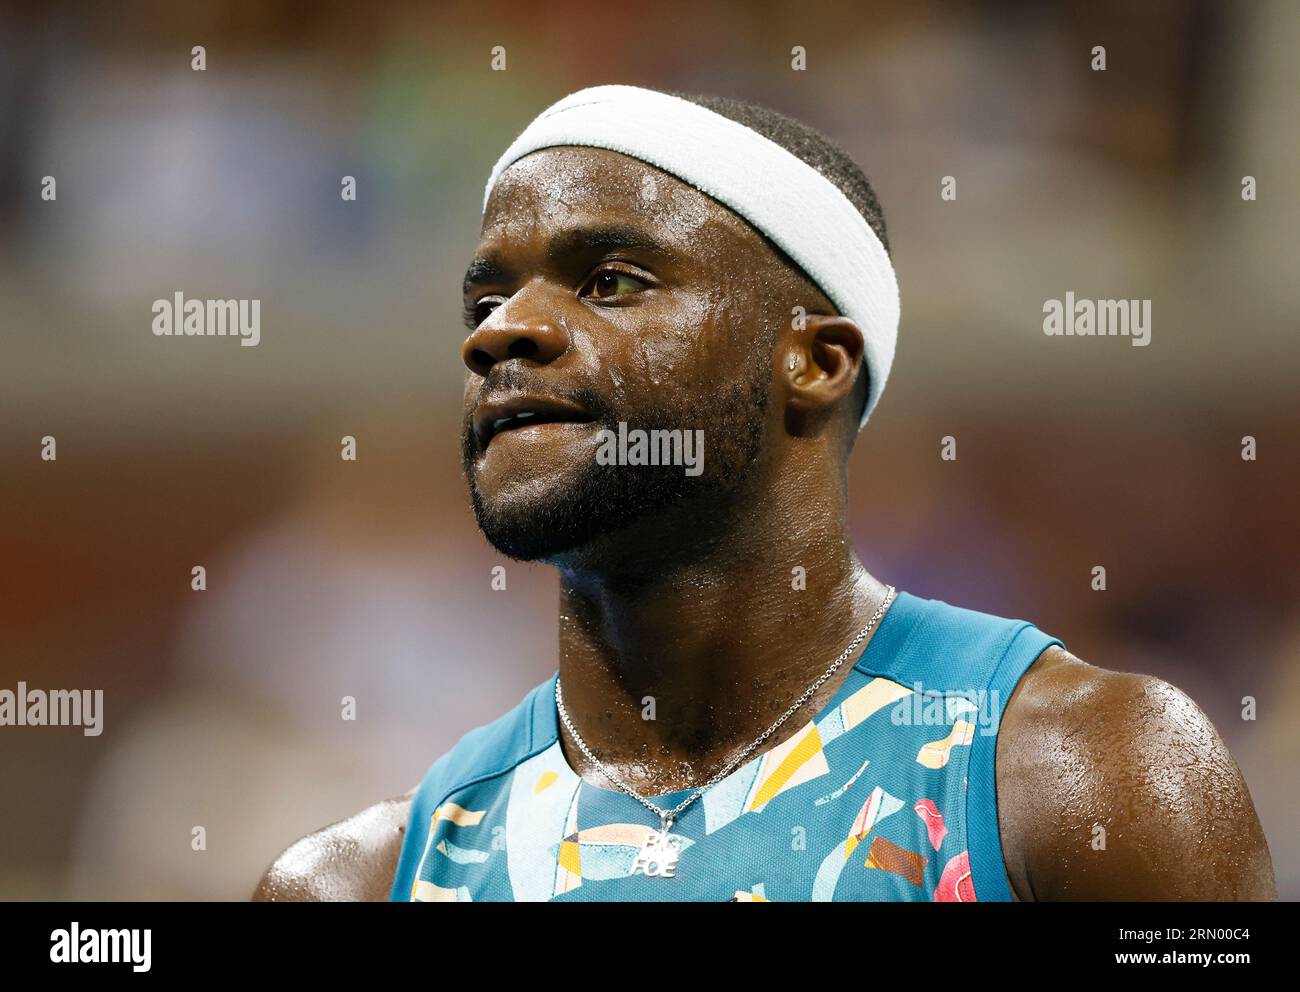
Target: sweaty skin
[[597, 275]]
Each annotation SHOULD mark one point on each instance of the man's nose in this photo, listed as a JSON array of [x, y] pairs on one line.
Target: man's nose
[[524, 326]]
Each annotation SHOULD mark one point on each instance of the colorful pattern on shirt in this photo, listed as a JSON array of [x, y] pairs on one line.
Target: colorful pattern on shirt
[[863, 803]]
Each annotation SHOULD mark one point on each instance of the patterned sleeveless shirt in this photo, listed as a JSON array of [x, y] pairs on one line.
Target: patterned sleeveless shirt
[[886, 793]]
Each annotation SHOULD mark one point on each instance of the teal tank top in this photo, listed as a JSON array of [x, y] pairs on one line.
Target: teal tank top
[[886, 793]]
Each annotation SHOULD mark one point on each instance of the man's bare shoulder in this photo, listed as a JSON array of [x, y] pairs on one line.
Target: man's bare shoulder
[[353, 860], [1116, 786]]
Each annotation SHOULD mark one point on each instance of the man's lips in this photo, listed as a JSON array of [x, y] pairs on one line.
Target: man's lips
[[500, 414]]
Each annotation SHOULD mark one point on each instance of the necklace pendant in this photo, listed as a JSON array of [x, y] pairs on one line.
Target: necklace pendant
[[658, 855]]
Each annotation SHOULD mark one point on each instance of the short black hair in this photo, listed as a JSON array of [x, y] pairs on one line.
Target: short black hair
[[814, 148]]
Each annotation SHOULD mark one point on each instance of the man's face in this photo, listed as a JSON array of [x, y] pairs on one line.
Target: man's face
[[604, 290]]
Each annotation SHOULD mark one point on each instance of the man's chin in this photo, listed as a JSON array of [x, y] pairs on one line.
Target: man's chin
[[547, 522], [528, 530]]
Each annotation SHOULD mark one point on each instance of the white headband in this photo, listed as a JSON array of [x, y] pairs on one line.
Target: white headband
[[780, 195]]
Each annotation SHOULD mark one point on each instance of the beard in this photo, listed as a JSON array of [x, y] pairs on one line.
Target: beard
[[601, 500]]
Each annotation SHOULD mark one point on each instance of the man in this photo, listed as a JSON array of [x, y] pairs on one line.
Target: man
[[740, 711]]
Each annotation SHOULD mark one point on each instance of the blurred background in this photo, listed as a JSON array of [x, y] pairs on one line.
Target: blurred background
[[369, 579]]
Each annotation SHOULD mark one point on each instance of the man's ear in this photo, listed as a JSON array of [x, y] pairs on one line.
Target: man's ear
[[819, 364]]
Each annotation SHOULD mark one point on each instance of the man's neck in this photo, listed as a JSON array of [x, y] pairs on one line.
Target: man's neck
[[669, 672]]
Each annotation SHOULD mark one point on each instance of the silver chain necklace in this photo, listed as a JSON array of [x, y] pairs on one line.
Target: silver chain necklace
[[659, 854]]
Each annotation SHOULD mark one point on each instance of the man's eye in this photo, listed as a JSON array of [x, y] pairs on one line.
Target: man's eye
[[611, 282], [481, 310]]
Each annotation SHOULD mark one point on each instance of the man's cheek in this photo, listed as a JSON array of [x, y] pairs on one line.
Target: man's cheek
[[681, 363]]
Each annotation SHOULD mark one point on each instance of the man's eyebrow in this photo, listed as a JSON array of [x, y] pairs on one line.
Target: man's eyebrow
[[602, 239], [482, 270], [563, 245]]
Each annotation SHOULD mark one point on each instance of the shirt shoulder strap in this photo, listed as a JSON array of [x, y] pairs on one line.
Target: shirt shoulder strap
[[928, 645], [483, 753]]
